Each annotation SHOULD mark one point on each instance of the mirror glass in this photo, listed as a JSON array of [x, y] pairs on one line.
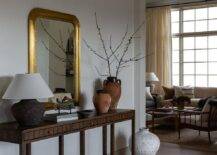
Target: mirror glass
[[54, 43], [55, 53]]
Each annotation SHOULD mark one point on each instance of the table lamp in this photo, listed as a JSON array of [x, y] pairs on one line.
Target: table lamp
[[151, 77], [27, 88]]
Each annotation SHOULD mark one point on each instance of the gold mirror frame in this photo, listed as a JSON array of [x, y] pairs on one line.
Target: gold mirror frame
[[49, 14]]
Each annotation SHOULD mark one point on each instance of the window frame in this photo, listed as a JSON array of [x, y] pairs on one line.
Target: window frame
[[181, 35]]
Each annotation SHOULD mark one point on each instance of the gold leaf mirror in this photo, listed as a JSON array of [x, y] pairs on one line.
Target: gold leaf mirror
[[54, 44]]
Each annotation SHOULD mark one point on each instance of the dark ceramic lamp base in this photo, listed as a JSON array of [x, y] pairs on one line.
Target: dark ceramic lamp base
[[28, 112]]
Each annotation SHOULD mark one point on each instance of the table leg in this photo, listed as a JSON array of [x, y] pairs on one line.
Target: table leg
[[104, 132], [153, 121], [28, 149], [112, 141], [25, 149], [82, 142], [61, 145], [133, 136]]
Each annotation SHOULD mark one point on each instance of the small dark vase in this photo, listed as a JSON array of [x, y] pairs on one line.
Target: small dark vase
[[28, 112], [113, 86], [102, 101]]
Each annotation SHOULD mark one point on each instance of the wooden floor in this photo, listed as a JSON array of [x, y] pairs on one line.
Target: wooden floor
[[174, 149], [171, 149]]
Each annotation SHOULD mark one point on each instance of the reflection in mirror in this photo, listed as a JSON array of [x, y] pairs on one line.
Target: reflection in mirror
[[54, 43], [55, 52]]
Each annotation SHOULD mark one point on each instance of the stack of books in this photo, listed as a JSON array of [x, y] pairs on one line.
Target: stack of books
[[62, 117]]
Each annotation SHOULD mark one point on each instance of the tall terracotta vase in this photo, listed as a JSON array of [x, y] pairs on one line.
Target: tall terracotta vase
[[113, 86]]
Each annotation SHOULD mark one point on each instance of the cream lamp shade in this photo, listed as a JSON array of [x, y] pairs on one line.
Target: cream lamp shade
[[28, 86], [151, 77]]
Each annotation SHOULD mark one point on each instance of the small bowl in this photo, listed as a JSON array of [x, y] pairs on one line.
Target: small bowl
[[86, 113]]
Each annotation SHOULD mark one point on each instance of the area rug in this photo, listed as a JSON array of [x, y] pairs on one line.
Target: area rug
[[189, 138]]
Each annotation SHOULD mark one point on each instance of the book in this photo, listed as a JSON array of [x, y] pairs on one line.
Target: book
[[62, 117]]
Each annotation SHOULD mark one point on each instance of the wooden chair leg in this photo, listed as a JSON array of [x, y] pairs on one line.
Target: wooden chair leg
[[199, 132], [179, 134], [179, 126], [209, 138]]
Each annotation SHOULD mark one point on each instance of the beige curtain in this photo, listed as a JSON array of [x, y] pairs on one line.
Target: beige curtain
[[158, 43]]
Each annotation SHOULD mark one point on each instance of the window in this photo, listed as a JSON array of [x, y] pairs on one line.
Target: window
[[194, 46]]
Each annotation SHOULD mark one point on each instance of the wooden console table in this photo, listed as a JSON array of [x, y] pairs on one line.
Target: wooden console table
[[12, 132]]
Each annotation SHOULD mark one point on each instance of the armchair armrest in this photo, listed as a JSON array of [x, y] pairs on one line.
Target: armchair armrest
[[193, 112]]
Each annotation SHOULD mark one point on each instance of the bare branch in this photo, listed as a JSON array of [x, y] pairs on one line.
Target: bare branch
[[104, 75], [92, 50], [51, 69], [121, 42], [127, 47], [61, 38], [112, 51], [55, 41], [132, 60], [55, 55], [103, 44]]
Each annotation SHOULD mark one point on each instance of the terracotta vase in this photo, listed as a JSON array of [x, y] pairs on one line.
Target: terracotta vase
[[102, 101], [113, 86]]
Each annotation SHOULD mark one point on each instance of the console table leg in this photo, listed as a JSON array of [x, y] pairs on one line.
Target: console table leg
[[112, 143], [104, 132], [61, 145], [23, 149], [82, 143], [133, 136], [28, 149]]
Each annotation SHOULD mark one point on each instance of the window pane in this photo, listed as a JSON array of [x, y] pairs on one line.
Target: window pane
[[212, 25], [201, 68], [188, 80], [212, 81], [175, 43], [188, 68], [175, 68], [201, 25], [213, 42], [188, 26], [175, 56], [175, 27], [175, 80], [188, 15], [212, 12], [201, 81], [201, 13], [188, 42], [201, 42], [175, 16], [201, 55], [213, 55], [188, 55], [212, 68]]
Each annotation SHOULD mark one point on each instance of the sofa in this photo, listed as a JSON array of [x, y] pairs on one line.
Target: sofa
[[199, 93]]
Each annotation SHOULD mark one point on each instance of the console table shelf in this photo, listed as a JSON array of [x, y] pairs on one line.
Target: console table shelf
[[12, 132]]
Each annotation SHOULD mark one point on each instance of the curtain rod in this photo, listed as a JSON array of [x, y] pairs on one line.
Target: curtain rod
[[185, 4]]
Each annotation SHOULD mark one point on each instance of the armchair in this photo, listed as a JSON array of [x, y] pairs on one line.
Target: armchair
[[205, 120]]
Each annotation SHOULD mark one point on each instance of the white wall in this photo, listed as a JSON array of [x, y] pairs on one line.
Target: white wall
[[113, 15]]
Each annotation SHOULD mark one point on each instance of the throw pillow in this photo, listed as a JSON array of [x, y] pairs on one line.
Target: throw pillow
[[184, 91], [169, 92], [148, 94]]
